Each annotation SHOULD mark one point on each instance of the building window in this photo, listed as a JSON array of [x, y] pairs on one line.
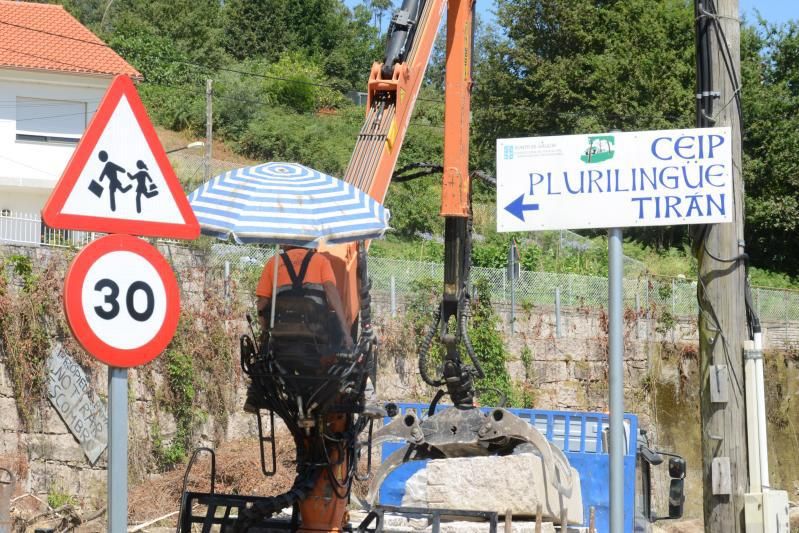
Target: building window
[[5, 212], [50, 121]]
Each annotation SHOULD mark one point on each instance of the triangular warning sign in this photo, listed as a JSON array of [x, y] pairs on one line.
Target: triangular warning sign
[[119, 179]]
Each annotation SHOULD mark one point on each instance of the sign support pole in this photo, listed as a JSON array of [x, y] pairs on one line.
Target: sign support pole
[[117, 449], [616, 377]]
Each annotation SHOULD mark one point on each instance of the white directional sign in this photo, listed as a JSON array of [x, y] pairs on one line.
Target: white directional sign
[[122, 300], [615, 180]]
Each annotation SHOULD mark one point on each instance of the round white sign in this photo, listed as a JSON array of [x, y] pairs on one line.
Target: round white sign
[[124, 300]]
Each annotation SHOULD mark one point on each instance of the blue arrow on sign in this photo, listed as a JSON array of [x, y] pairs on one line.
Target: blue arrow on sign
[[518, 207]]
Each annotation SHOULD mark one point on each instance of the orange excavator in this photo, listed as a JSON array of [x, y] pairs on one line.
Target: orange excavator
[[323, 404]]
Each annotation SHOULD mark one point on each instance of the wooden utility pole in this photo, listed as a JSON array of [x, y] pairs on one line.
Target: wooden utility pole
[[209, 128], [719, 249]]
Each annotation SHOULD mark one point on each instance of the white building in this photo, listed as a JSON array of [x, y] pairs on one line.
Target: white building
[[53, 74]]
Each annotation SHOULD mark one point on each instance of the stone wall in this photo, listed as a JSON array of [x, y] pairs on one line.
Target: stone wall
[[566, 372], [48, 459]]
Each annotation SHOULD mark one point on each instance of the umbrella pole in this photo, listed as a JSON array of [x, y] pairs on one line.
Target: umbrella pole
[[274, 290]]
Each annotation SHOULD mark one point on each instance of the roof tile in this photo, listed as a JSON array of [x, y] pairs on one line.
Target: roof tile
[[46, 37]]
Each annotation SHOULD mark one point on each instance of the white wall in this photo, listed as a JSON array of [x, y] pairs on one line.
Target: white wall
[[29, 170]]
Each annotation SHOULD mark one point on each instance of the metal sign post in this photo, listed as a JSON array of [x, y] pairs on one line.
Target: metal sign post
[[120, 295], [616, 378], [513, 275], [122, 302], [117, 449], [615, 180]]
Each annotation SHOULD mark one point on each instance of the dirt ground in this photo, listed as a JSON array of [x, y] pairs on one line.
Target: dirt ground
[[172, 140], [238, 471]]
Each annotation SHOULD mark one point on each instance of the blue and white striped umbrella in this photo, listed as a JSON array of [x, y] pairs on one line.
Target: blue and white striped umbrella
[[286, 203]]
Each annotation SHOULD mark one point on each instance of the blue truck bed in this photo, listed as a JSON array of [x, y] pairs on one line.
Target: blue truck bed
[[578, 434]]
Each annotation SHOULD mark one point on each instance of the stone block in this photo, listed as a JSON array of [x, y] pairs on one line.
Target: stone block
[[550, 371], [81, 482], [515, 482], [61, 448], [47, 420], [482, 527], [5, 383], [9, 416], [241, 425], [13, 442], [402, 524]]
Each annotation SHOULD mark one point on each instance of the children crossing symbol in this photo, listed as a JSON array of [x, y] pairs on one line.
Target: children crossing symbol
[[110, 171]]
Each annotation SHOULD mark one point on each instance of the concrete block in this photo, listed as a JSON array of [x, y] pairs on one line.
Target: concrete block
[[515, 482]]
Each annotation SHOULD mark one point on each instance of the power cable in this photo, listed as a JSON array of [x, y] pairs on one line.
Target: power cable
[[207, 68], [53, 34], [82, 67], [48, 173], [262, 102]]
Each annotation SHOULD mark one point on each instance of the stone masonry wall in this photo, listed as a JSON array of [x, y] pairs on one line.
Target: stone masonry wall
[[567, 372]]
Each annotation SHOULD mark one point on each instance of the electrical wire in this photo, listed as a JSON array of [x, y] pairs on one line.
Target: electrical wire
[[53, 34], [82, 67], [200, 66]]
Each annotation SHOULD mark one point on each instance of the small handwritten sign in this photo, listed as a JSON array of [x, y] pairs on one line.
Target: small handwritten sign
[[71, 394]]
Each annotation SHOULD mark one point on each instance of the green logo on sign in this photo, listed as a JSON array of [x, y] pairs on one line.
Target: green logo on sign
[[600, 148]]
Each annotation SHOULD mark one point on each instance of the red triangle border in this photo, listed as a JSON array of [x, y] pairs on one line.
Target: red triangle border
[[52, 212]]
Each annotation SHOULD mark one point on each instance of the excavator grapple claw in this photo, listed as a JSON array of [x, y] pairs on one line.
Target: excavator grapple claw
[[466, 432]]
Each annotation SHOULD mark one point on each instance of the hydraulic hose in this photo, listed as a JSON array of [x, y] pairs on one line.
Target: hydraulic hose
[[467, 341], [264, 509], [426, 342]]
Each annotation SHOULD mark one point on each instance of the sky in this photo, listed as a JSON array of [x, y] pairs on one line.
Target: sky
[[776, 11]]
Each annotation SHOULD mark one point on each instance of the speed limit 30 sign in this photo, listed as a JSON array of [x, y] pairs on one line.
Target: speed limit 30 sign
[[122, 300]]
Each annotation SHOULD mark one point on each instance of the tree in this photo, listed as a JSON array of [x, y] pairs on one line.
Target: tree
[[193, 27], [267, 28], [379, 8], [258, 29], [557, 67], [770, 70]]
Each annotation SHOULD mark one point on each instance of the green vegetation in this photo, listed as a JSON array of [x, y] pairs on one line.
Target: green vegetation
[[58, 497], [489, 347], [198, 365], [31, 315], [282, 69], [484, 332]]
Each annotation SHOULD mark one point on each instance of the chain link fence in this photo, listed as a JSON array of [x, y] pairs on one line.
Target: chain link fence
[[402, 278], [190, 168]]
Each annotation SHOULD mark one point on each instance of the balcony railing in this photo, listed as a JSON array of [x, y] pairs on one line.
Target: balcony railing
[[28, 229]]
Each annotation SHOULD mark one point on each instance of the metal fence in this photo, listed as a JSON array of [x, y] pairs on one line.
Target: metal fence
[[399, 279], [28, 228]]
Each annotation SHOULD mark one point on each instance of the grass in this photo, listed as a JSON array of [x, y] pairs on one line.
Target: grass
[[57, 498], [670, 263]]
